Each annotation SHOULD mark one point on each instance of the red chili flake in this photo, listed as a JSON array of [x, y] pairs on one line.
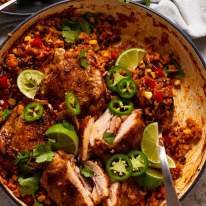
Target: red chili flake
[[158, 96], [159, 72], [4, 82], [36, 42], [114, 54], [150, 83]]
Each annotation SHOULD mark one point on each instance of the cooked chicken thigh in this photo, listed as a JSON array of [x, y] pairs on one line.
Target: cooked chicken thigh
[[127, 133], [16, 135], [66, 186], [65, 74]]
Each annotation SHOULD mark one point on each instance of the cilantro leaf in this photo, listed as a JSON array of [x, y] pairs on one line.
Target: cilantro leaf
[[22, 158], [6, 113], [70, 35], [30, 185], [43, 153], [86, 171], [84, 63], [37, 203], [108, 137]]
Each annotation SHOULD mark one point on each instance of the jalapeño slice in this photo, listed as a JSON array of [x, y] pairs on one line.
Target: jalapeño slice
[[126, 88], [119, 167], [119, 107], [33, 111], [139, 162], [72, 104], [115, 74]]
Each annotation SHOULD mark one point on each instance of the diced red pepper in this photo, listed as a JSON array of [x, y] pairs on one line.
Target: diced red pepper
[[158, 96], [4, 82], [159, 72], [114, 54], [36, 42], [150, 83]]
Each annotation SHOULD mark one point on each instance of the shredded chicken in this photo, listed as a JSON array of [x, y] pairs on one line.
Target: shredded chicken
[[127, 132], [65, 185]]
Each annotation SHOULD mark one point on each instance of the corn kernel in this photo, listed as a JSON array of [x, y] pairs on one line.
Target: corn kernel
[[27, 38], [177, 83], [92, 42], [148, 95], [12, 101], [187, 131], [20, 109], [41, 198], [14, 50], [105, 53]]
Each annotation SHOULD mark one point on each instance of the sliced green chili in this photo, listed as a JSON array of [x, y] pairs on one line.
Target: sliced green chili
[[33, 112], [139, 162], [119, 167], [114, 75], [119, 107], [126, 88], [72, 104]]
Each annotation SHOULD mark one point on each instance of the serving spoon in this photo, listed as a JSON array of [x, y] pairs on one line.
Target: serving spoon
[[171, 195]]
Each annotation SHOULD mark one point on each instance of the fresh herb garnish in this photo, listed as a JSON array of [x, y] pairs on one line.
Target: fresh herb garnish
[[178, 73], [6, 113], [36, 203], [23, 157], [83, 60], [43, 153], [30, 185], [72, 29], [108, 137], [86, 171]]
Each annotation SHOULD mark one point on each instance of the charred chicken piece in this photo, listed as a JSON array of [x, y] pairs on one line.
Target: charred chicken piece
[[66, 186], [17, 135], [127, 132], [65, 74]]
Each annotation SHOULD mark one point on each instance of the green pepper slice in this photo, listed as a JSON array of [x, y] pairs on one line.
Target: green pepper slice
[[139, 162], [33, 111], [126, 88], [119, 107], [119, 167], [72, 104], [114, 75]]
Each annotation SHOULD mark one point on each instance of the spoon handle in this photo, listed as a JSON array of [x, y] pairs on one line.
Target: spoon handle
[[171, 195]]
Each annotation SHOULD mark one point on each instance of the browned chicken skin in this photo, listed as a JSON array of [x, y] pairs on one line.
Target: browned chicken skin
[[65, 74], [66, 186], [16, 135], [127, 131]]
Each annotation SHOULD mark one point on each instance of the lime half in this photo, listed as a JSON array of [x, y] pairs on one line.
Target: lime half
[[150, 180], [131, 58], [170, 161], [28, 82], [65, 139], [149, 143]]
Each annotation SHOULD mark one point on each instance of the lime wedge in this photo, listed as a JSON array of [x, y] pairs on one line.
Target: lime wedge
[[131, 58], [150, 180], [170, 161], [149, 143], [28, 82], [65, 138]]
